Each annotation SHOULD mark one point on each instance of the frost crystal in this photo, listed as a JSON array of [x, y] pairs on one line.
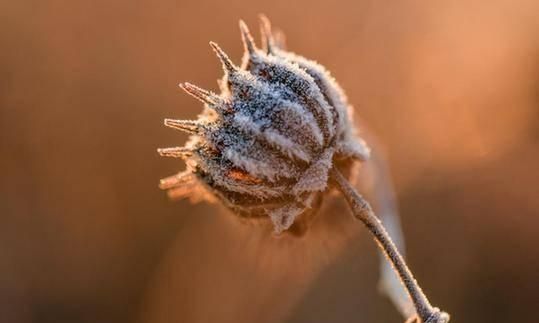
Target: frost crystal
[[265, 144]]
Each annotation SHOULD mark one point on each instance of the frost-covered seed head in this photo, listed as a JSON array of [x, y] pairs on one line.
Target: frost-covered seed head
[[265, 144]]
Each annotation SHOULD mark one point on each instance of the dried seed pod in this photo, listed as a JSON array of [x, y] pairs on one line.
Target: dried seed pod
[[266, 143]]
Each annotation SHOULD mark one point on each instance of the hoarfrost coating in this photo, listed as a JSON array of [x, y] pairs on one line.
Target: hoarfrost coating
[[265, 145]]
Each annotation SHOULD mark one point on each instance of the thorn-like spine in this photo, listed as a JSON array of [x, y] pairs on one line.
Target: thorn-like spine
[[248, 41], [279, 39], [228, 65], [267, 37], [213, 100], [175, 152], [176, 180], [200, 94], [189, 126]]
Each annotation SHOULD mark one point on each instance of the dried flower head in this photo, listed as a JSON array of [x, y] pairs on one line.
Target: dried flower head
[[266, 143]]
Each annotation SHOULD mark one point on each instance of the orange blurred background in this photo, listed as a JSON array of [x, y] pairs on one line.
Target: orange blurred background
[[449, 88]]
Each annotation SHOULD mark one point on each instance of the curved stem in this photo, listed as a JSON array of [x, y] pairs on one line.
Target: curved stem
[[363, 212]]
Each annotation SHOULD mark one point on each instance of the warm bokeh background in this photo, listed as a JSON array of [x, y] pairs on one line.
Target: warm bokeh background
[[450, 89]]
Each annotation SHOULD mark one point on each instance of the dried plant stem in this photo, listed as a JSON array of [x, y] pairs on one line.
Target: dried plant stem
[[363, 212]]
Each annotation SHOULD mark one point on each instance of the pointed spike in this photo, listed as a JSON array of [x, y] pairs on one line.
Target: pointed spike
[[189, 126], [179, 179], [183, 192], [200, 94], [227, 63], [248, 41], [279, 39], [267, 37], [176, 152], [213, 100]]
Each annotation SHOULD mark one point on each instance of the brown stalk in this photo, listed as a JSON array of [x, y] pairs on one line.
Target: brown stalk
[[361, 209]]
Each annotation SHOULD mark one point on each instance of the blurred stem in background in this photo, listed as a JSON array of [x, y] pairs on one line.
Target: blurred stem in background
[[385, 204]]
